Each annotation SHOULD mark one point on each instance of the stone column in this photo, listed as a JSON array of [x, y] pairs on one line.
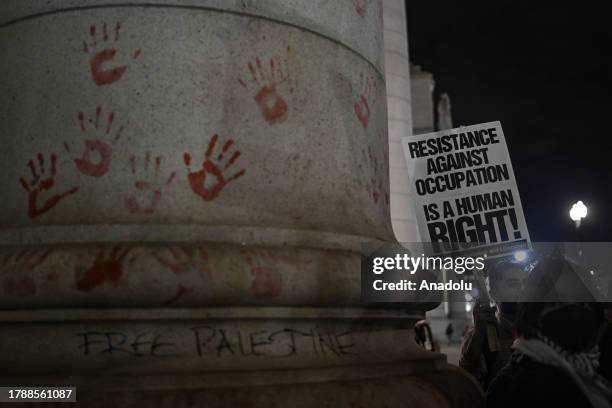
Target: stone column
[[186, 186], [397, 75]]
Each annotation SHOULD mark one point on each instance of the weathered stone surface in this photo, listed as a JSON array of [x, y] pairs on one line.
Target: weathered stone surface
[[185, 187]]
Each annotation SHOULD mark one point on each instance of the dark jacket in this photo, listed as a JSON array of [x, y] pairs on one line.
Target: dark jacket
[[605, 347], [477, 360], [526, 383]]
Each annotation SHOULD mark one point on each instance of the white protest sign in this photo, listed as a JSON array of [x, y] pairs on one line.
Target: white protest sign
[[465, 190]]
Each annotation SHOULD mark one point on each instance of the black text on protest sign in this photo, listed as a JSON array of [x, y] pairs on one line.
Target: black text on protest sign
[[464, 186]]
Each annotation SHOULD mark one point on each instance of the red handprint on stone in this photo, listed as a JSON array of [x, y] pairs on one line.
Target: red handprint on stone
[[106, 267], [183, 260], [267, 280], [210, 180], [39, 184], [378, 183], [16, 269], [148, 186], [266, 78], [366, 98], [105, 75], [96, 158], [266, 267], [361, 7]]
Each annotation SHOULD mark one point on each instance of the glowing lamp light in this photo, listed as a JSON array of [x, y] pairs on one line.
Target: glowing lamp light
[[578, 212], [520, 256]]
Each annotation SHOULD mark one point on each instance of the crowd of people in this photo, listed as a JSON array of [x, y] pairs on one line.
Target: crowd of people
[[548, 353]]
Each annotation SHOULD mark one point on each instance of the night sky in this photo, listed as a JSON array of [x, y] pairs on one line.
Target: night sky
[[546, 74]]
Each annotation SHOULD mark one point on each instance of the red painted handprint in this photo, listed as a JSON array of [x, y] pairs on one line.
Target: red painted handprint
[[361, 7], [378, 178], [265, 267], [39, 184], [209, 181], [101, 75], [266, 79], [106, 267], [148, 185], [366, 98], [182, 260], [16, 269], [267, 280], [96, 158]]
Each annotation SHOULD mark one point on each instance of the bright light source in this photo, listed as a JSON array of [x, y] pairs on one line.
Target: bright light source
[[520, 256], [468, 307], [578, 211], [592, 272]]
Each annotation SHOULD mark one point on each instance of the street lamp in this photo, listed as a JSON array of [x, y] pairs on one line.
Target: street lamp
[[578, 212], [520, 255]]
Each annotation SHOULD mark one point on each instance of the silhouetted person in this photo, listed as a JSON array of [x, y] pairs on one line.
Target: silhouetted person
[[555, 357], [506, 282], [449, 333], [419, 333], [605, 347]]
